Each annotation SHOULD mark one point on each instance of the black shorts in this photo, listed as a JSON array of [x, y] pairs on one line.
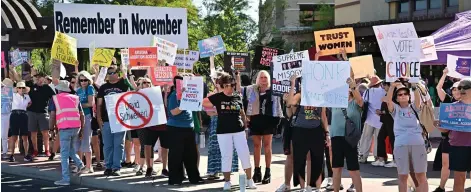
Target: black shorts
[[445, 144], [18, 123], [460, 158], [342, 151], [149, 137], [263, 125]]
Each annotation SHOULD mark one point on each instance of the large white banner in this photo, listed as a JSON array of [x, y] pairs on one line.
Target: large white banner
[[185, 60], [192, 97], [284, 66], [400, 30], [324, 83], [120, 26], [135, 110], [403, 59]]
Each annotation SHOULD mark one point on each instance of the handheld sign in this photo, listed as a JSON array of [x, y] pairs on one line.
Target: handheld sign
[[18, 57], [264, 56], [100, 80], [458, 67], [3, 60], [64, 48], [167, 49], [362, 66], [192, 97], [184, 60], [331, 42], [455, 116], [384, 32], [284, 66], [429, 52], [142, 57], [7, 97], [236, 61], [103, 57], [135, 110], [403, 59], [324, 83], [125, 57], [211, 46], [163, 75]]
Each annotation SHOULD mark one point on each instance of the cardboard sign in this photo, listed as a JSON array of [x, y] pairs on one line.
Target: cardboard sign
[[163, 75], [212, 46], [403, 59], [119, 26], [331, 42], [142, 57], [429, 52], [184, 60], [324, 84], [64, 48], [125, 57], [192, 97], [103, 57], [384, 32], [100, 80], [264, 57], [362, 66], [4, 63], [18, 57], [167, 49], [236, 61], [135, 110], [455, 116], [458, 67], [284, 66]]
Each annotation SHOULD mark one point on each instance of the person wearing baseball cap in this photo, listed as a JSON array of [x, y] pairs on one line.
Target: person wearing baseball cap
[[19, 119]]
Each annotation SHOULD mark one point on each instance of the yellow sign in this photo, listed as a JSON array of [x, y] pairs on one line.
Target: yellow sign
[[64, 48], [103, 57], [362, 66], [330, 42]]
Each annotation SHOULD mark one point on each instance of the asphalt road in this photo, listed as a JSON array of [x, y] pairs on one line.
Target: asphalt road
[[13, 183]]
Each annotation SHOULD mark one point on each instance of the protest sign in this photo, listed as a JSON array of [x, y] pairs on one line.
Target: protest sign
[[192, 97], [458, 67], [264, 57], [179, 85], [455, 116], [362, 66], [142, 57], [429, 53], [401, 30], [100, 80], [118, 26], [278, 88], [236, 61], [63, 71], [4, 63], [331, 42], [166, 49], [135, 110], [163, 75], [324, 83], [125, 57], [185, 59], [103, 57], [211, 46], [284, 66], [18, 57], [64, 48], [7, 98], [403, 59]]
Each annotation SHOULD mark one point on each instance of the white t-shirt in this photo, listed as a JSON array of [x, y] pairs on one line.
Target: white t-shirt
[[374, 97], [20, 102]]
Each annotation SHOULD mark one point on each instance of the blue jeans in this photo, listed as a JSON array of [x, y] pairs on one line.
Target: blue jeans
[[113, 147], [68, 137]]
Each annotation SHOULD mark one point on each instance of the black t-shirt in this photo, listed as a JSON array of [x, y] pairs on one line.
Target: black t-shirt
[[110, 89], [40, 96], [228, 108]]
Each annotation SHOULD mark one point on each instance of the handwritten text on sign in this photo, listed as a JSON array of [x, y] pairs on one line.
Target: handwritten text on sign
[[167, 49], [133, 111], [403, 60], [193, 95], [455, 116], [184, 60], [384, 32], [330, 42], [64, 48], [324, 83]]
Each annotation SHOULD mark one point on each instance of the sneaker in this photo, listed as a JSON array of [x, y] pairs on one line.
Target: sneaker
[[87, 170], [107, 172], [227, 186], [351, 188], [362, 159], [140, 172], [35, 154], [116, 172], [308, 189], [390, 164], [5, 156], [79, 170], [331, 187], [47, 153], [131, 165], [438, 189], [51, 157], [28, 158], [11, 159], [329, 182], [99, 166], [62, 183], [164, 173], [150, 172], [378, 163], [283, 188], [251, 184], [136, 168]]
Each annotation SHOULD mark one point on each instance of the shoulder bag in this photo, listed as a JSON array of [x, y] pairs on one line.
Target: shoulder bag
[[428, 144], [352, 134]]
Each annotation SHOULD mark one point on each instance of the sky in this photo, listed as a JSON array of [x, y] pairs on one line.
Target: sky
[[253, 11]]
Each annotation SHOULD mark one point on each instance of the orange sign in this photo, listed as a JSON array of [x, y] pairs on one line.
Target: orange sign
[[142, 57], [163, 75], [330, 42]]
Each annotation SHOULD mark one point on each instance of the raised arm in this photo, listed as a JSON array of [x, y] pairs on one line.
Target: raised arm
[[389, 96], [441, 93], [238, 82], [417, 98], [293, 98], [355, 92]]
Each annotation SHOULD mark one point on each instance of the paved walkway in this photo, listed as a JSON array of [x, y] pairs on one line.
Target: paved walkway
[[374, 178]]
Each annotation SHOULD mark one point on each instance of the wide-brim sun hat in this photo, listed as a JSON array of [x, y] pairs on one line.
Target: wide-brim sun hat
[[63, 86], [375, 80], [87, 75]]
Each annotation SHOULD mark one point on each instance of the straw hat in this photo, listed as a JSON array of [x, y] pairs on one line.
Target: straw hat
[[375, 80], [7, 82], [63, 86]]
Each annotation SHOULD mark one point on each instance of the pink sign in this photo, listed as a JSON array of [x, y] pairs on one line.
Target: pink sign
[[179, 88], [4, 64]]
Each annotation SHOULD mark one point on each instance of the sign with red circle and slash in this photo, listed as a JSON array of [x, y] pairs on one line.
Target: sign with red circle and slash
[[144, 115]]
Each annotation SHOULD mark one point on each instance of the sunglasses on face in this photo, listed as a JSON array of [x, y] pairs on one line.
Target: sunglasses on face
[[145, 83], [464, 87], [83, 80], [21, 88], [112, 73], [402, 94], [72, 82]]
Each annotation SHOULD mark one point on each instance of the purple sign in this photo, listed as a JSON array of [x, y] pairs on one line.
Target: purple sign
[[463, 66]]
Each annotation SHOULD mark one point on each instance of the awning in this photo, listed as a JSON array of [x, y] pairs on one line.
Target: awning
[[19, 15]]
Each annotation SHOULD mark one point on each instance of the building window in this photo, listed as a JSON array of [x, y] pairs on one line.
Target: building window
[[404, 6], [435, 4], [420, 5], [315, 15], [452, 3]]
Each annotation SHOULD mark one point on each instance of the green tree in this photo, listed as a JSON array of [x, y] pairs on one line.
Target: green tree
[[325, 13]]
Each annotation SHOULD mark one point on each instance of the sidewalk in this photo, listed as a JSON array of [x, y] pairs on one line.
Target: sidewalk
[[374, 178]]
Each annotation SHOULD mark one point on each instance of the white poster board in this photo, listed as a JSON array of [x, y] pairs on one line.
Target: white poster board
[[135, 110], [400, 30], [429, 52], [403, 59], [185, 60], [119, 26], [192, 97], [125, 57], [100, 80], [458, 67], [284, 66], [324, 83], [166, 50], [91, 50]]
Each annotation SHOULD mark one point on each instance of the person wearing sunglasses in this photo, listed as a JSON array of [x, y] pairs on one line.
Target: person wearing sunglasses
[[410, 152], [19, 120], [230, 129], [460, 142]]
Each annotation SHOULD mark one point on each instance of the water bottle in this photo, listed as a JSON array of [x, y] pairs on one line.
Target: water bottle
[[242, 182], [202, 140]]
